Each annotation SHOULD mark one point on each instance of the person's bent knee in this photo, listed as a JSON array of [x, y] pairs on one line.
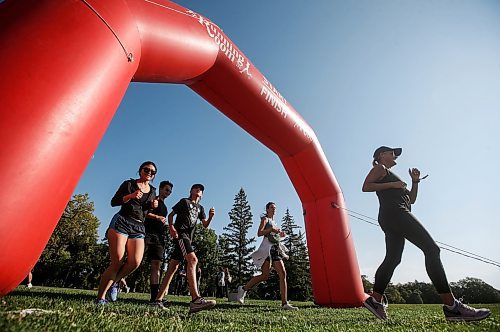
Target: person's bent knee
[[192, 259], [133, 263], [115, 265], [391, 262], [433, 251]]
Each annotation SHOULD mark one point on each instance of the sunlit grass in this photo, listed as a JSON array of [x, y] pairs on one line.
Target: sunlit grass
[[74, 310]]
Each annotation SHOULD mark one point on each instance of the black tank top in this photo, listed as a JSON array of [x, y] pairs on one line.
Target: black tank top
[[391, 199]]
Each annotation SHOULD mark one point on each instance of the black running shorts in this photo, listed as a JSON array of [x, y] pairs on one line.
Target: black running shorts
[[182, 247]]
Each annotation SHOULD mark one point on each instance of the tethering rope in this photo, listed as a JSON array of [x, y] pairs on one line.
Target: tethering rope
[[444, 246]]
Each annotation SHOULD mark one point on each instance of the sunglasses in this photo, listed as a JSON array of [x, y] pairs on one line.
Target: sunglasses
[[148, 171]]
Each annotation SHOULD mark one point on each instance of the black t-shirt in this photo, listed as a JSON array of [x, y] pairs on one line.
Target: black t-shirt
[[153, 225], [394, 198], [188, 213], [134, 208]]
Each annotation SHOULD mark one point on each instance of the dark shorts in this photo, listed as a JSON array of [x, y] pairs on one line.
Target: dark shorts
[[155, 246], [275, 253], [133, 229], [154, 252], [182, 247]]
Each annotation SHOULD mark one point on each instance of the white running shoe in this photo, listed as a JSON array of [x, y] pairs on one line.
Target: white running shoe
[[29, 285], [201, 304], [240, 295], [288, 306], [462, 312]]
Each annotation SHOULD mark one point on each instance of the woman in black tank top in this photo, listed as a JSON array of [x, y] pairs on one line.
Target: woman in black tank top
[[399, 224], [126, 233]]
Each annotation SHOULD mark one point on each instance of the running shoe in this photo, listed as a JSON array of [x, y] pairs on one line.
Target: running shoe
[[101, 302], [158, 304], [29, 285], [240, 295], [288, 306], [112, 293], [200, 304], [379, 309], [462, 312]]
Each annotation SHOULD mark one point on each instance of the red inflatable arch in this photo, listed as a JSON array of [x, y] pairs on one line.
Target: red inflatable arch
[[64, 68]]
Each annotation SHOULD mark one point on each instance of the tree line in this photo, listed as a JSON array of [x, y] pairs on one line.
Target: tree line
[[470, 290], [75, 257]]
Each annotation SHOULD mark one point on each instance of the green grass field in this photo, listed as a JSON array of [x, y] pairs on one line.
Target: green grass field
[[60, 309]]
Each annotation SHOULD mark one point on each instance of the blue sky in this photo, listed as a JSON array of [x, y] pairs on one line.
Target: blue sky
[[421, 75]]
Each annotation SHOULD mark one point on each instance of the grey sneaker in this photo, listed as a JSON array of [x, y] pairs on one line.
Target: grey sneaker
[[200, 304], [158, 304], [377, 308], [288, 306], [462, 312], [240, 295]]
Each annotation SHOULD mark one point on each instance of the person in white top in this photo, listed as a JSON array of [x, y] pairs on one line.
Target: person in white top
[[270, 252]]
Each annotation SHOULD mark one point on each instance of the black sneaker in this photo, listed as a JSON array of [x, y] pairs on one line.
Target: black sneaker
[[462, 312], [377, 308], [200, 304]]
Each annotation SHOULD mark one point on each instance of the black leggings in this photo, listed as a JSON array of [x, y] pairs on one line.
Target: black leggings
[[399, 225]]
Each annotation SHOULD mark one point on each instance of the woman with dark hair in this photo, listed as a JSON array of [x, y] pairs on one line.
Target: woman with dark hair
[[270, 252], [399, 224], [126, 232]]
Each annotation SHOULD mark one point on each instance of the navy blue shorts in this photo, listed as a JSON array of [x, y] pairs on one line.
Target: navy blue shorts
[[133, 229]]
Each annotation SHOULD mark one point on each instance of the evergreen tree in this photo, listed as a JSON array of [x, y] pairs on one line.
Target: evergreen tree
[[297, 266], [237, 248], [224, 258]]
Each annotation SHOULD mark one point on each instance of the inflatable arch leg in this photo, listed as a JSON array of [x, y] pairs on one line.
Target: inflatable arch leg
[[64, 68]]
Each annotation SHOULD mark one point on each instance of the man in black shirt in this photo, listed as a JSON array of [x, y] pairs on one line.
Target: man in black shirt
[[188, 211], [156, 235]]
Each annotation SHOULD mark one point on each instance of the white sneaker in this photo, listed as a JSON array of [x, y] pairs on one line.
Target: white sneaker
[[462, 312], [288, 306], [29, 285], [127, 289], [240, 295]]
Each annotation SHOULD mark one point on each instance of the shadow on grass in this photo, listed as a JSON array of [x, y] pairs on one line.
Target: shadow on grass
[[46, 293]]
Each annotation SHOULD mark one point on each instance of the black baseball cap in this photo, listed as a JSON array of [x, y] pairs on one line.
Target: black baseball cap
[[397, 151], [198, 186]]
